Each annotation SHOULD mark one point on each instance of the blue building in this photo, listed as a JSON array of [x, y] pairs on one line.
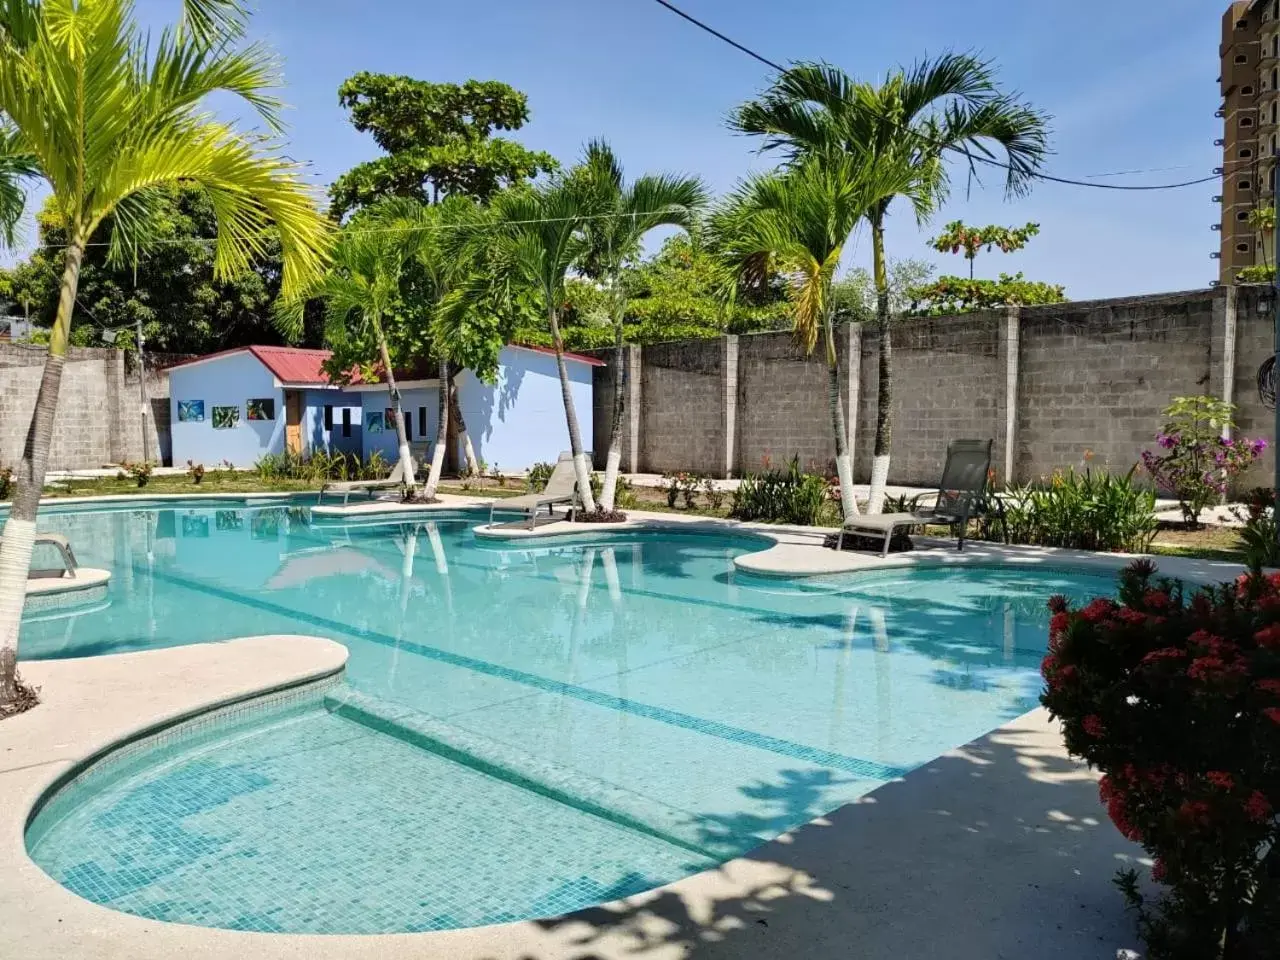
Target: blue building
[[240, 404]]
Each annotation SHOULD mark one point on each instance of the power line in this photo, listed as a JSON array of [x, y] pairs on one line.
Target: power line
[[266, 234], [971, 157]]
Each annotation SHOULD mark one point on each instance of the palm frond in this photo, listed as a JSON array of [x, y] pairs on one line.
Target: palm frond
[[214, 22]]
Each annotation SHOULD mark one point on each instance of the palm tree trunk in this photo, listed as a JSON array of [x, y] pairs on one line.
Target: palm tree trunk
[[442, 432], [571, 418], [614, 459], [884, 397], [455, 411], [20, 529], [844, 464], [402, 438]]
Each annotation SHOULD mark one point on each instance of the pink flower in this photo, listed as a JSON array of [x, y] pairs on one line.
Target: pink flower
[[1159, 871], [1268, 637], [1272, 714], [1094, 726]]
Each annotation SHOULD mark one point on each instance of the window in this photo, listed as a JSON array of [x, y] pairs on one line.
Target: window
[[328, 418], [1242, 215], [1246, 91], [422, 422], [346, 421], [1246, 153], [408, 428], [1242, 248], [1245, 185], [1246, 121], [1242, 58]]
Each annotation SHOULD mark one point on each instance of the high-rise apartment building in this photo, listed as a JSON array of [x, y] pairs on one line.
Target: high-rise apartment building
[[1250, 112]]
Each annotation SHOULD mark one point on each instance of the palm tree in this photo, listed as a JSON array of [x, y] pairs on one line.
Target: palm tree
[[612, 237], [362, 293], [910, 120], [106, 119], [795, 223], [539, 238]]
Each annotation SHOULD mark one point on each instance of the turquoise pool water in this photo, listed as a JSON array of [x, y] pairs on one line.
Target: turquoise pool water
[[522, 732]]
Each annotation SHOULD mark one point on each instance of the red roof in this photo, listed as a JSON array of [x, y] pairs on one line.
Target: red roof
[[298, 366]]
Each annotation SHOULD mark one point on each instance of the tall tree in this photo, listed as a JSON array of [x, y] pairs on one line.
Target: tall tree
[[362, 296], [171, 288], [910, 120], [797, 223], [107, 118], [538, 239], [438, 138], [612, 237]]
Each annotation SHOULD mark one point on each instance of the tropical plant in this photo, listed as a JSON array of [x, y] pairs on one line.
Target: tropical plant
[[106, 119], [170, 288], [622, 214], [781, 496], [715, 496], [438, 139], [957, 236], [1263, 219], [796, 222], [1200, 458], [361, 292], [1258, 528], [906, 123], [855, 292], [538, 476], [1176, 700], [537, 241], [1092, 510], [195, 471], [950, 295], [1259, 273]]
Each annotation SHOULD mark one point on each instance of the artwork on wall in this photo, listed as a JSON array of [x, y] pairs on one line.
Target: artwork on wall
[[389, 418], [191, 411], [225, 418], [373, 423], [261, 409]]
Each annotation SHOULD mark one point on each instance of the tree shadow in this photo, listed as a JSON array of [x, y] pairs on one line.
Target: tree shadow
[[999, 849]]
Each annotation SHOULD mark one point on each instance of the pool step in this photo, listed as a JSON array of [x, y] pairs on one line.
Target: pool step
[[499, 760]]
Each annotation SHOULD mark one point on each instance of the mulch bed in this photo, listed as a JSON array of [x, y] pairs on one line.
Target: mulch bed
[[901, 543], [601, 516]]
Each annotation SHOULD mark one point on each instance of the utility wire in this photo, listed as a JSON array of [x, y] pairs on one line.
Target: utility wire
[[971, 157]]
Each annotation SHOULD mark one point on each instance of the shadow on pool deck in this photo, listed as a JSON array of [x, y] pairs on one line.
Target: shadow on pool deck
[[998, 850]]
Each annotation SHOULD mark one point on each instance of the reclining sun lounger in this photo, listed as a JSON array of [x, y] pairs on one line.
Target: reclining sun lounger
[[964, 480], [561, 488], [348, 487]]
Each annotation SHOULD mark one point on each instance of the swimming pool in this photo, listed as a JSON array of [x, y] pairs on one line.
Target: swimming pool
[[523, 730]]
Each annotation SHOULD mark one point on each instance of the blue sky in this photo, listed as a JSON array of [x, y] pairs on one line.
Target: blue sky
[[1128, 88]]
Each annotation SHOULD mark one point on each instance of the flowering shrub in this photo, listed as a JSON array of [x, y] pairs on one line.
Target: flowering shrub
[[1258, 533], [1197, 464], [1176, 700]]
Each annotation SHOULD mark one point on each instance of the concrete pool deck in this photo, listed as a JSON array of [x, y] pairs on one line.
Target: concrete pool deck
[[997, 849]]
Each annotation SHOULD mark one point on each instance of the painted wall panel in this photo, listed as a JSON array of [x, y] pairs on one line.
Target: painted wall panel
[[519, 421], [227, 381]]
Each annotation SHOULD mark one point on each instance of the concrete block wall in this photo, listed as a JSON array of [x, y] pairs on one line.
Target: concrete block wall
[[1046, 383], [1096, 377], [947, 382], [682, 407], [99, 417]]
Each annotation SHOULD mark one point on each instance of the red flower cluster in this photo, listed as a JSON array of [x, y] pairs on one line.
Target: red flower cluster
[[1171, 693], [1221, 779]]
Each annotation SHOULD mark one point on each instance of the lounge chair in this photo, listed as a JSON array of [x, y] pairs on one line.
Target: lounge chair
[[63, 545], [348, 487], [964, 481], [562, 487]]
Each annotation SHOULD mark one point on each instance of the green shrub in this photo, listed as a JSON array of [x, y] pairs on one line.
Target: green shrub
[[6, 482], [538, 476], [781, 496], [1259, 531], [1094, 510]]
